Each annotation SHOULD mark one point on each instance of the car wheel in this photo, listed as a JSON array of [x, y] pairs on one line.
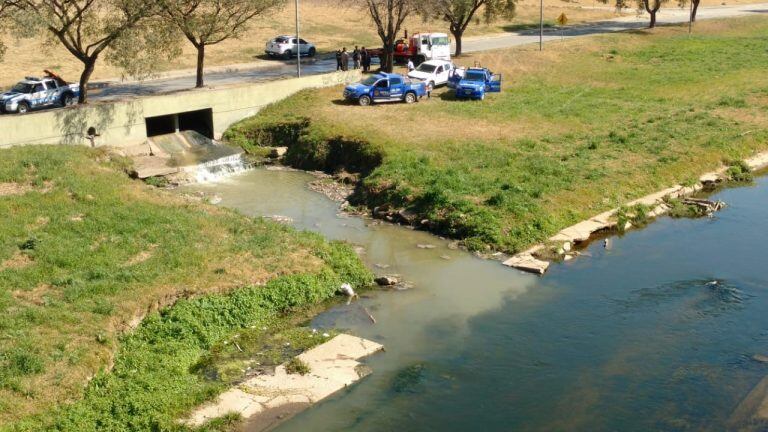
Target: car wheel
[[287, 54], [364, 100], [410, 98], [312, 52], [23, 107], [67, 100]]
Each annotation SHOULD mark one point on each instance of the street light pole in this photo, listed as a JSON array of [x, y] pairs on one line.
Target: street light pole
[[298, 43], [541, 25]]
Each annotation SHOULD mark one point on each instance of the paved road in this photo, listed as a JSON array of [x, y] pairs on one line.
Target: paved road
[[321, 65]]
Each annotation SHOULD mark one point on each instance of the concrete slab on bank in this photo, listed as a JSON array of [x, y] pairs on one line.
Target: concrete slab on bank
[[266, 399]]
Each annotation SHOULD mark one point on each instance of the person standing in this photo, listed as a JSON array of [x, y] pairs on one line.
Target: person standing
[[338, 60], [411, 67], [365, 59], [356, 58], [344, 59]]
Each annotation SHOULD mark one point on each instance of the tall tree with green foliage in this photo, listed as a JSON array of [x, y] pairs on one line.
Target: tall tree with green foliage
[[209, 22], [87, 28], [460, 13], [388, 17]]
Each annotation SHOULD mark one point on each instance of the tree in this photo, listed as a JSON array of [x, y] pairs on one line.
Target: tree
[[388, 17], [209, 22], [694, 7], [460, 13], [652, 7], [86, 28]]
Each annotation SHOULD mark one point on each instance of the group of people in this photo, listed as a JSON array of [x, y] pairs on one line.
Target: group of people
[[361, 58]]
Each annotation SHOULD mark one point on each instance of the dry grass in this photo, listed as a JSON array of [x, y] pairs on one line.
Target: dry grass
[[323, 22]]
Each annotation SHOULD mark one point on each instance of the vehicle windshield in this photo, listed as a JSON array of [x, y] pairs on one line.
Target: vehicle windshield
[[443, 40], [475, 76], [428, 68], [371, 80], [22, 88]]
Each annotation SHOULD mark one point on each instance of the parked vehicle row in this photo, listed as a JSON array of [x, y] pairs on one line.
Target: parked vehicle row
[[35, 93]]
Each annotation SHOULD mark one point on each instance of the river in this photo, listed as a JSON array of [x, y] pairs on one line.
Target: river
[[655, 332]]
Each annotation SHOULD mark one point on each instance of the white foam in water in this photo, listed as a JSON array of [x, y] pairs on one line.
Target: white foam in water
[[217, 169]]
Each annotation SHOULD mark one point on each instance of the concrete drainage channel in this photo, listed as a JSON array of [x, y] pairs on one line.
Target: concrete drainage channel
[[535, 260]]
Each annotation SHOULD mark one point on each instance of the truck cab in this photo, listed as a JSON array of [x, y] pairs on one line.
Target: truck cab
[[474, 83], [385, 87], [421, 47]]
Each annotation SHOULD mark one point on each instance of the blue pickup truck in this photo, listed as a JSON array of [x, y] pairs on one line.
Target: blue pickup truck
[[474, 83], [385, 87]]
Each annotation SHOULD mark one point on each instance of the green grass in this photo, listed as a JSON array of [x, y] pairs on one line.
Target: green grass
[[581, 128], [85, 253]]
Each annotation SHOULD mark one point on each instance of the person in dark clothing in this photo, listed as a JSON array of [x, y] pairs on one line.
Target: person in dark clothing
[[338, 60], [344, 59], [356, 58], [365, 59]]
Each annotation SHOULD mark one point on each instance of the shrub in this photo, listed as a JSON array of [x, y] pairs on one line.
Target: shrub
[[297, 366]]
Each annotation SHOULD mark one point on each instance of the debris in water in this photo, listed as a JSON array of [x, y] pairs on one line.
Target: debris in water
[[445, 257], [373, 320], [387, 280], [425, 246], [347, 290], [760, 358], [706, 206], [607, 244], [214, 200], [382, 266]]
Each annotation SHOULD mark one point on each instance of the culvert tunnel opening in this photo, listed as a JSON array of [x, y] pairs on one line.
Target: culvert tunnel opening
[[200, 121]]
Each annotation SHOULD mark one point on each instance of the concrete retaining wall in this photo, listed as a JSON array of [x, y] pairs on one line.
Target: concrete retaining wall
[[122, 123]]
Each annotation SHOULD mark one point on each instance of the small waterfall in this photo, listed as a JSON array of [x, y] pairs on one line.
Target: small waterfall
[[200, 158], [216, 169]]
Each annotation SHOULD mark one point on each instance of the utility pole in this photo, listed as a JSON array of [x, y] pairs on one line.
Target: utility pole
[[298, 43], [541, 25]]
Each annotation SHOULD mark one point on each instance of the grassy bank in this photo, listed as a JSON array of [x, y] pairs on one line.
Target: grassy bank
[[86, 253], [583, 127]]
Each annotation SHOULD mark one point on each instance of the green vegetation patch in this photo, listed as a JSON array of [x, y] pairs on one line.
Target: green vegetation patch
[[574, 133], [86, 253]]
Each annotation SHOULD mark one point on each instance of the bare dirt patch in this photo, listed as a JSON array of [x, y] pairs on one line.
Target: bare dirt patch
[[11, 189], [19, 260]]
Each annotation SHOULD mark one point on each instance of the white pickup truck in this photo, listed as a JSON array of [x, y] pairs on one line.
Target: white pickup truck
[[34, 93], [433, 72]]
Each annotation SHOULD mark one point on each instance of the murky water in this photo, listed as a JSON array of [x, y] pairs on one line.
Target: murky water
[[655, 333]]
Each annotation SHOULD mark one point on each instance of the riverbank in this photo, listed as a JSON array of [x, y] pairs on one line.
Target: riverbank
[[580, 129], [117, 298]]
